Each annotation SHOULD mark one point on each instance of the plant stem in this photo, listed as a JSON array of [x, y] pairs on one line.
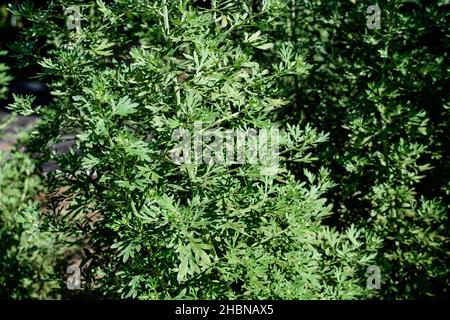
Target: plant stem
[[166, 16]]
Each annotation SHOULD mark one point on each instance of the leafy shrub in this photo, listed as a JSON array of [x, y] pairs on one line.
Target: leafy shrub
[[137, 71], [383, 96], [132, 74]]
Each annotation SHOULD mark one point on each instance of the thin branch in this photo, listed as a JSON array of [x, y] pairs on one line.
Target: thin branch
[[166, 16]]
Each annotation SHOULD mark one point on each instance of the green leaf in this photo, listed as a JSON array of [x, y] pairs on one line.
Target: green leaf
[[266, 46], [124, 107], [89, 162]]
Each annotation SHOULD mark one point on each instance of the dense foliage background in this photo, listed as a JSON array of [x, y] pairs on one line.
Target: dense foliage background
[[363, 174], [383, 97]]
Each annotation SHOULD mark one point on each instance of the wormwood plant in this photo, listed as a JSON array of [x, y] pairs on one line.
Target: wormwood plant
[[134, 72], [382, 94]]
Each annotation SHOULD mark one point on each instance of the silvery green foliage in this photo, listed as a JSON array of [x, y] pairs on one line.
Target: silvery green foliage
[[134, 72]]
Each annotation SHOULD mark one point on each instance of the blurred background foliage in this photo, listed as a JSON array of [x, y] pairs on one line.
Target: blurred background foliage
[[28, 251], [383, 95]]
